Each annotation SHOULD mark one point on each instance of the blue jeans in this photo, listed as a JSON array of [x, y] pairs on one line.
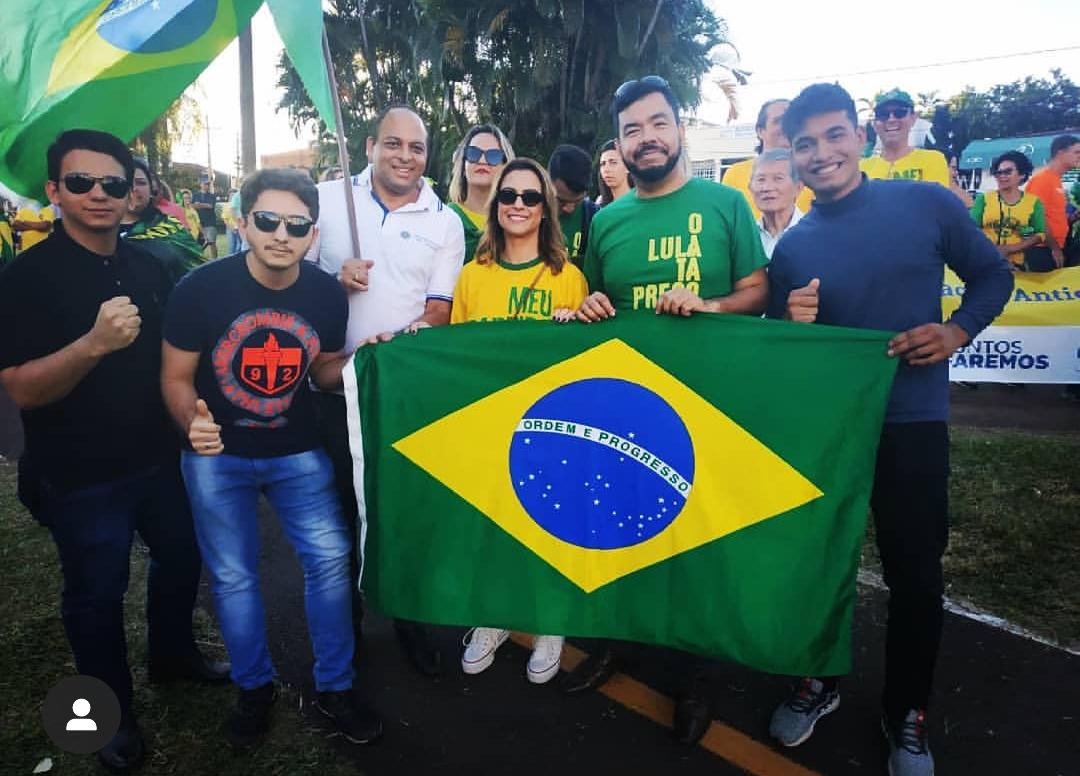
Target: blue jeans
[[93, 528], [224, 492]]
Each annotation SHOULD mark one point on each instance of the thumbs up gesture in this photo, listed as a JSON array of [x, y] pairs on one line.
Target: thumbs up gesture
[[802, 303], [203, 433]]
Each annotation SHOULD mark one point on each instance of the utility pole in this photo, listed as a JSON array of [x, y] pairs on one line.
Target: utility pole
[[209, 156], [247, 103]]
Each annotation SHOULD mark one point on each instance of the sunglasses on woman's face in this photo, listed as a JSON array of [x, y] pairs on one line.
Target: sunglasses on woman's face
[[295, 226], [492, 156], [529, 197], [115, 186], [1004, 171]]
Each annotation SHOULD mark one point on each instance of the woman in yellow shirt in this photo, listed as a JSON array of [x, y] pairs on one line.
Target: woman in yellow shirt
[[521, 272], [1013, 219]]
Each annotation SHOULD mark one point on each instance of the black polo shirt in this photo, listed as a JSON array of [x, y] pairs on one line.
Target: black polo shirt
[[113, 423]]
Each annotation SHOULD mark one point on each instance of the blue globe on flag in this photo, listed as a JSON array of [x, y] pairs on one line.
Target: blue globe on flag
[[155, 26], [602, 463]]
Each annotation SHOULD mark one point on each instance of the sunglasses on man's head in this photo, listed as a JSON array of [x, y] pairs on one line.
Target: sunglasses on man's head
[[116, 186], [649, 80], [492, 156], [884, 114], [529, 197], [295, 226]]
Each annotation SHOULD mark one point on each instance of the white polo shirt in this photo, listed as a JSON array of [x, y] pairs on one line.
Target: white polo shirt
[[768, 242], [418, 251]]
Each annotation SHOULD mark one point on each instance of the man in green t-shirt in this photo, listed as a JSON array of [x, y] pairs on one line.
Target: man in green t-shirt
[[676, 246], [570, 169]]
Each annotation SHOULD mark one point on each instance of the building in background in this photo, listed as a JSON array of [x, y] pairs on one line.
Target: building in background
[[712, 148]]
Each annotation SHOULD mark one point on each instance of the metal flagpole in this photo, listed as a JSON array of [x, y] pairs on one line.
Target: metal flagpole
[[343, 153]]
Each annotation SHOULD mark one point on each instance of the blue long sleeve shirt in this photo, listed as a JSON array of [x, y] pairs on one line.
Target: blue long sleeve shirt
[[880, 254]]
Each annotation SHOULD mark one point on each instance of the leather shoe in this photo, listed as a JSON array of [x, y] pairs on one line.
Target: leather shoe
[[419, 647], [191, 668], [126, 751], [693, 714], [590, 673]]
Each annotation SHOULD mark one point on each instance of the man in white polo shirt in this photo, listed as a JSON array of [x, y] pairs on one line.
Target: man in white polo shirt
[[411, 250], [775, 187]]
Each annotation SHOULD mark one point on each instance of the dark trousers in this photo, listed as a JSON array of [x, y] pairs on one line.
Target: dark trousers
[[911, 521], [334, 430], [93, 529]]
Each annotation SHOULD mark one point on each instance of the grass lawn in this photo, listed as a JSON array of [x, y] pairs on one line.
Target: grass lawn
[[1015, 544]]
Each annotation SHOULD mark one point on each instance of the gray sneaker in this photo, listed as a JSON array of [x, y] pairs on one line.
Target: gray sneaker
[[909, 752], [794, 719]]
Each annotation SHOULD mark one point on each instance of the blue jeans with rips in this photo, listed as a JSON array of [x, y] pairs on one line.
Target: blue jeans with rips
[[224, 492]]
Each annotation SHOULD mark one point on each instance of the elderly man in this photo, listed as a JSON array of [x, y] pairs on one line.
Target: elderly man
[[894, 116], [775, 186]]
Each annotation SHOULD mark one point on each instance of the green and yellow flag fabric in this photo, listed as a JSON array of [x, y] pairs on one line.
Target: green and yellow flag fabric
[[112, 65], [699, 483]]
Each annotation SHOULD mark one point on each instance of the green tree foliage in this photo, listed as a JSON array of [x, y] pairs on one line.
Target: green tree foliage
[[543, 70], [1024, 107]]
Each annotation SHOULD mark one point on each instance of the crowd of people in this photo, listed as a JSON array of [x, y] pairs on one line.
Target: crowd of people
[[162, 392]]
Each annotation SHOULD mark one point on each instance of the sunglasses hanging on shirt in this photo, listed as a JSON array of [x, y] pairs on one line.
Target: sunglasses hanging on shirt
[[295, 226]]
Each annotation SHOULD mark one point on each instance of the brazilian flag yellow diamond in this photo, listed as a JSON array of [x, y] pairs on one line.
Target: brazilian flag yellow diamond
[[605, 464]]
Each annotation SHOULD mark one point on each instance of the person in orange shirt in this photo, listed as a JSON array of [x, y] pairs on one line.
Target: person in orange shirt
[[1047, 185]]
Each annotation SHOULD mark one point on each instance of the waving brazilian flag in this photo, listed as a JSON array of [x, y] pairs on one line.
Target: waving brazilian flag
[[700, 483], [112, 65]]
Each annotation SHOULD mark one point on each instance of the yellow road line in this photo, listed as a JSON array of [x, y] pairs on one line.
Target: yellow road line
[[721, 740]]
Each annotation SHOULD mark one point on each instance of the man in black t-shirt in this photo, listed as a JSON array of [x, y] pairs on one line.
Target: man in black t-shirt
[[205, 202], [83, 311], [242, 335]]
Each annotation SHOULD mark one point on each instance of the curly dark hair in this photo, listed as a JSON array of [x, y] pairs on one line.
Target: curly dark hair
[[1019, 158]]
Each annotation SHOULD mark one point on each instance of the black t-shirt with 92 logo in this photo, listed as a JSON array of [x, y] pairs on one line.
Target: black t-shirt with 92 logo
[[255, 346]]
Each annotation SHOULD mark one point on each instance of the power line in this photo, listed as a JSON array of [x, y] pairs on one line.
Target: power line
[[879, 71]]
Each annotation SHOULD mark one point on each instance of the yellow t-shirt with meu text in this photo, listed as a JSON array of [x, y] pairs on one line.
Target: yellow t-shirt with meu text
[[496, 290], [919, 164]]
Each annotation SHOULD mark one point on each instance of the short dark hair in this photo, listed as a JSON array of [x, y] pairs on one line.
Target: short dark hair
[[763, 119], [1023, 164], [381, 117], [815, 100], [632, 91], [1063, 143], [276, 179], [88, 140], [572, 166]]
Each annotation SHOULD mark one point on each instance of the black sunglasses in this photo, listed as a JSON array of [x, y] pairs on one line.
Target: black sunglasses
[[529, 197], [883, 114], [649, 80], [492, 156], [1004, 171], [295, 226], [115, 186]]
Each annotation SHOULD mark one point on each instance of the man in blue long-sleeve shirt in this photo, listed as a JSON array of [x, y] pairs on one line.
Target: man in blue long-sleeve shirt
[[871, 254]]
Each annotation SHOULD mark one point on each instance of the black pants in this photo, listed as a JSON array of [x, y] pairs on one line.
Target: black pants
[[911, 520], [93, 529]]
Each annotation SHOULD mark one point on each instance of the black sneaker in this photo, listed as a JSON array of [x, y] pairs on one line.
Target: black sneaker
[[251, 717], [126, 751], [357, 723]]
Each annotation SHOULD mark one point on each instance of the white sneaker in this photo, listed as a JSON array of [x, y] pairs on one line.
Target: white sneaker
[[544, 661], [480, 645]]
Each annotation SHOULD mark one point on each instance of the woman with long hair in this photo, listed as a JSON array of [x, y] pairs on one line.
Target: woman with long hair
[[613, 178], [521, 272], [159, 234], [476, 164], [1014, 220]]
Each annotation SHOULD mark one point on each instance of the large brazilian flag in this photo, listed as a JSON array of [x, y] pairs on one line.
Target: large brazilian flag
[[700, 483], [112, 65]]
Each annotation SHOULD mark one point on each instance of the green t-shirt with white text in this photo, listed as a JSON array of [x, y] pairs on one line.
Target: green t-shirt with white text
[[701, 236], [572, 226]]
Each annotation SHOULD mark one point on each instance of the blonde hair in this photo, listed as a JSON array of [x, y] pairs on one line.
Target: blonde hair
[[551, 244], [459, 186]]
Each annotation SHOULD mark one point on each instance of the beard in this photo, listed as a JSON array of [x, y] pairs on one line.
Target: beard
[[653, 174]]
